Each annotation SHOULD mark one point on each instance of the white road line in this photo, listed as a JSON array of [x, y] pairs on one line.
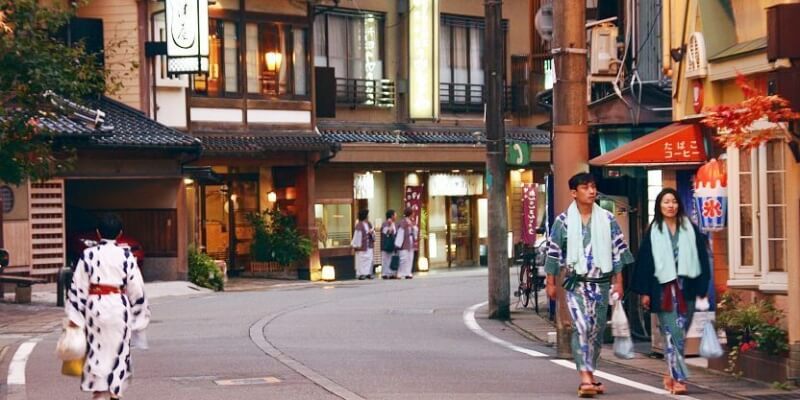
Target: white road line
[[16, 370], [469, 321]]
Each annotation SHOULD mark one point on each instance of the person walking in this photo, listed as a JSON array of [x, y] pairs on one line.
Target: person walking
[[107, 300], [363, 242], [587, 245], [388, 236], [672, 271], [407, 235]]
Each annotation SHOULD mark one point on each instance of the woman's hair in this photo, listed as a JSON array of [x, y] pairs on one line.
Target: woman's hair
[[362, 214], [389, 213], [659, 216]]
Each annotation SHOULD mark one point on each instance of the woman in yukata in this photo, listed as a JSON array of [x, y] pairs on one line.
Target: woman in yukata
[[363, 243]]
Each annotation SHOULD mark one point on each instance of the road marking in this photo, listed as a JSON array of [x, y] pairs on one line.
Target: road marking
[[247, 381], [472, 324], [469, 320], [16, 370]]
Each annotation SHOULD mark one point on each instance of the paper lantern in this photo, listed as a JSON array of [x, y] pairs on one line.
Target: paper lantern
[[328, 273], [711, 196]]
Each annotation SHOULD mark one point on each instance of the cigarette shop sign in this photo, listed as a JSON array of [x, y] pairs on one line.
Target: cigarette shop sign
[[187, 36]]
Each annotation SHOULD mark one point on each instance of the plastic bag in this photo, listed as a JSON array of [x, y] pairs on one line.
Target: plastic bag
[[623, 347], [139, 340], [72, 343], [619, 321], [709, 343]]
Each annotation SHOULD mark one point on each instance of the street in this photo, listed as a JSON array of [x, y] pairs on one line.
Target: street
[[398, 339]]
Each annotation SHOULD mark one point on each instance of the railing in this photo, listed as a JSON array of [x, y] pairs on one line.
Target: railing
[[467, 98], [365, 92]]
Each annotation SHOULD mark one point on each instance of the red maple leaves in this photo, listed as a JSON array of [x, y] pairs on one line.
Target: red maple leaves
[[734, 122]]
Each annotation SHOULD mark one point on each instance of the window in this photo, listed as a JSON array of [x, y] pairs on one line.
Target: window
[[334, 224], [276, 59], [351, 44], [758, 237], [223, 61], [461, 61]]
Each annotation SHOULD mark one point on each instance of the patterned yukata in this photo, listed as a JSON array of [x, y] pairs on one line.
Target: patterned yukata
[[109, 319], [363, 243], [674, 323], [588, 302]]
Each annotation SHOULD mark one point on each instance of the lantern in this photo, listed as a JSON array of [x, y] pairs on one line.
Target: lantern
[[711, 196]]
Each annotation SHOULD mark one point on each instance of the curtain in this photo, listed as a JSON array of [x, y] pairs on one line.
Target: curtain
[[231, 46], [320, 39], [299, 61], [444, 62], [355, 43], [283, 74], [476, 36], [337, 37], [460, 62], [252, 59]]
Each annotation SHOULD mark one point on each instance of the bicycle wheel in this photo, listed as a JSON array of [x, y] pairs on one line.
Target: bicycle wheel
[[525, 284]]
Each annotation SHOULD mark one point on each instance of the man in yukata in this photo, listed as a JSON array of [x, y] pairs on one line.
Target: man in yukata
[[107, 300], [587, 246]]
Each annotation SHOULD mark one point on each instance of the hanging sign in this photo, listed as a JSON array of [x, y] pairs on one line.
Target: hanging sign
[[711, 196], [529, 213], [413, 199], [518, 153], [423, 77], [187, 36]]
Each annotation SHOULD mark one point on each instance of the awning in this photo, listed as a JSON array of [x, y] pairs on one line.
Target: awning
[[676, 144]]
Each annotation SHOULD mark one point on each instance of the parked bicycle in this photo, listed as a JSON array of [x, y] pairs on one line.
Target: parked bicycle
[[531, 274]]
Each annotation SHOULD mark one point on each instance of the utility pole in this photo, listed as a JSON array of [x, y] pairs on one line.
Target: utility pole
[[570, 133], [496, 163]]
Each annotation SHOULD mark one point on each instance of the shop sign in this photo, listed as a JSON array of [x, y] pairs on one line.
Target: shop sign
[[711, 196], [187, 36], [363, 186], [413, 199], [423, 88], [518, 153], [529, 213], [455, 185], [370, 55]]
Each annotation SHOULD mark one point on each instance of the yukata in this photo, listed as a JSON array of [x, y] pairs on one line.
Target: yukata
[[588, 301], [407, 235], [388, 229], [107, 300], [363, 242], [673, 302]]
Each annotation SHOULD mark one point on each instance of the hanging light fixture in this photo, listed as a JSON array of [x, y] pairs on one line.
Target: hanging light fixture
[[273, 61]]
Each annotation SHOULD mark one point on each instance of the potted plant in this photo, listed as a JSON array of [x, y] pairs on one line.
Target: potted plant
[[277, 246]]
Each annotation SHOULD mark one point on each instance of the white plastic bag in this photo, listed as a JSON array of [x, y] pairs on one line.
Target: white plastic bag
[[72, 343], [623, 347], [709, 343], [139, 340], [619, 321]]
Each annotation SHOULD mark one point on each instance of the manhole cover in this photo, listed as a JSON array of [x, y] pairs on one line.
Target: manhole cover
[[247, 381]]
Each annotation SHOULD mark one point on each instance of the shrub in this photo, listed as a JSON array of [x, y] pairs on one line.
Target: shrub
[[275, 238], [203, 271]]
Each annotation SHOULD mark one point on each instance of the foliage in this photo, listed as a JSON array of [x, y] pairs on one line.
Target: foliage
[[203, 271], [275, 238], [33, 61], [734, 121]]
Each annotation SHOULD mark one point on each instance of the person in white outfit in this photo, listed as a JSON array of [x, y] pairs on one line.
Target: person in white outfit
[[388, 235], [363, 242], [407, 235]]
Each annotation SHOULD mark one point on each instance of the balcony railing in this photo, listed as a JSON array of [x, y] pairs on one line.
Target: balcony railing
[[365, 92], [467, 98]]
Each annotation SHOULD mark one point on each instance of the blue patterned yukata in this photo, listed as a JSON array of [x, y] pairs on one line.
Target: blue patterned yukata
[[588, 301]]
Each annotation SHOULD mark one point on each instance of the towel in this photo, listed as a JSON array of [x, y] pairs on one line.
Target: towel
[[664, 257], [601, 239]]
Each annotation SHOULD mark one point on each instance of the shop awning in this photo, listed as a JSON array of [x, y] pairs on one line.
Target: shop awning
[[676, 144]]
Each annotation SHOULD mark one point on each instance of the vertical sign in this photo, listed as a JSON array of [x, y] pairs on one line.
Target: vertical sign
[[423, 40], [529, 213], [414, 200], [370, 56], [187, 36]]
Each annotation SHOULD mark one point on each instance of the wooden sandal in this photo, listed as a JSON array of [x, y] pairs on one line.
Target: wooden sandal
[[586, 390], [668, 383], [679, 387], [599, 387]]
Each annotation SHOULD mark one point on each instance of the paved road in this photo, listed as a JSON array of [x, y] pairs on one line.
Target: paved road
[[400, 339]]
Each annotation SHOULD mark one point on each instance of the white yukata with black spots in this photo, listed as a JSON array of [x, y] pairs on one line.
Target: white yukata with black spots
[[109, 319]]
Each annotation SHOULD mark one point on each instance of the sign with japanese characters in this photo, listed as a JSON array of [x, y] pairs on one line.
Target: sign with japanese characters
[[413, 199], [676, 144], [423, 79], [187, 36], [529, 213]]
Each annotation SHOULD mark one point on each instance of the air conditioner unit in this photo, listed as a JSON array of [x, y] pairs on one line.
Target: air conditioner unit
[[696, 59], [603, 60]]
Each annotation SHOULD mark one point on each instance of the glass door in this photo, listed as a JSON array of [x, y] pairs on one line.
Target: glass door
[[460, 226]]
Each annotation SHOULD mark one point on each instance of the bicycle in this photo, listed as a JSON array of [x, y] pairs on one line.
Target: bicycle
[[531, 280]]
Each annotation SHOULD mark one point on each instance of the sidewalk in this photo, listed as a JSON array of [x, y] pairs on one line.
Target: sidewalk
[[535, 327]]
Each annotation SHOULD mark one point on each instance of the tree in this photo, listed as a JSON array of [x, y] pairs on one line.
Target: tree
[[34, 62], [734, 122]]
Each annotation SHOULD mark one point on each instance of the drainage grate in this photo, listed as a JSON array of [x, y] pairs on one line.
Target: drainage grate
[[786, 396], [248, 381]]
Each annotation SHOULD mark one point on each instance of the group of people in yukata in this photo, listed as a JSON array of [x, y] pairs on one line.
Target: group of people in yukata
[[587, 248], [397, 245]]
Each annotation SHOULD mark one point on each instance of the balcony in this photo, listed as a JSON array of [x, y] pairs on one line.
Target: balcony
[[468, 98], [365, 92]]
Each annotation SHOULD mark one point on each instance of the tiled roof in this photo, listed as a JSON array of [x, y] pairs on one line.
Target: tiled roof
[[123, 127], [230, 144], [411, 134]]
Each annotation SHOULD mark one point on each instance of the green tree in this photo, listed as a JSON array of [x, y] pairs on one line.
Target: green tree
[[34, 62]]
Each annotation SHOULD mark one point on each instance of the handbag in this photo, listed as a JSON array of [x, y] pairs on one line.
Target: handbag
[[395, 263], [72, 343], [387, 242], [709, 343], [72, 367]]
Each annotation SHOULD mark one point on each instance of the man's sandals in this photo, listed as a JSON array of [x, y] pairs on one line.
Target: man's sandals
[[587, 390], [674, 387]]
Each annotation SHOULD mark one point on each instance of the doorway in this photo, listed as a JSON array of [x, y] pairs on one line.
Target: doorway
[[460, 231]]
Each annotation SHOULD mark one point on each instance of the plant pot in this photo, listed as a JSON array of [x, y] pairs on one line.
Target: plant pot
[[754, 364], [270, 269]]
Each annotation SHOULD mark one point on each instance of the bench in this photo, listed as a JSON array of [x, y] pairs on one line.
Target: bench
[[23, 291]]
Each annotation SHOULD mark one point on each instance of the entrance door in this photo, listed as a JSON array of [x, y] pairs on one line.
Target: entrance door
[[460, 226]]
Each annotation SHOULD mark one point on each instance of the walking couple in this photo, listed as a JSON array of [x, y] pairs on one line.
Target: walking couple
[[397, 245], [587, 246]]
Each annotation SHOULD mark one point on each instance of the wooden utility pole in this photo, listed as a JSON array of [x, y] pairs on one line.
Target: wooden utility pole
[[496, 164], [570, 138]]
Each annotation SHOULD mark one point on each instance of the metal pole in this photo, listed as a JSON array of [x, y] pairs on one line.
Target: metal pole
[[495, 164], [570, 139]]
